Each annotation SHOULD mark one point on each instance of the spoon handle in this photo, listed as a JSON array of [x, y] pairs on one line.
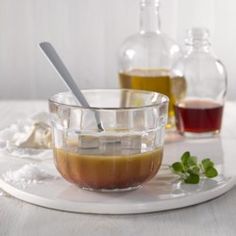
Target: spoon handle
[[61, 69]]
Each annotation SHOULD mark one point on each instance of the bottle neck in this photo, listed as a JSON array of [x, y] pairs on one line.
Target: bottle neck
[[149, 16], [198, 40], [196, 45]]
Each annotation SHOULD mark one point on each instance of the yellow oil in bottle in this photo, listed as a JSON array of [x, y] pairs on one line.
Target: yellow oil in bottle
[[156, 80]]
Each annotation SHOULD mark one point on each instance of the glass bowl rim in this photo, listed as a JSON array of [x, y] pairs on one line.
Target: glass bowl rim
[[155, 104]]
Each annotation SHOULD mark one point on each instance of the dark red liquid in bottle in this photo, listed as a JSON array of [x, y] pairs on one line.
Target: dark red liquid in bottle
[[198, 116]]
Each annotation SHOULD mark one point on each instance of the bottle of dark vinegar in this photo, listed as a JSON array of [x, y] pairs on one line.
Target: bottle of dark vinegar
[[199, 111], [146, 58]]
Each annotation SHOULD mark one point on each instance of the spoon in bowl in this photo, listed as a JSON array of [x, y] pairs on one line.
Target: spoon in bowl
[[65, 75]]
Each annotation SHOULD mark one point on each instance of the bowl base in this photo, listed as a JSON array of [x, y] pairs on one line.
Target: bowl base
[[115, 190]]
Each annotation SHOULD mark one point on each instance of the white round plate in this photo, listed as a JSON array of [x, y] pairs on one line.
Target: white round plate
[[161, 193]]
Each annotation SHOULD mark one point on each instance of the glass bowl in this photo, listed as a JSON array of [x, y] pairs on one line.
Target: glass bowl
[[125, 154]]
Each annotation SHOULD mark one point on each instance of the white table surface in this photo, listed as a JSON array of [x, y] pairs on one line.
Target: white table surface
[[216, 217]]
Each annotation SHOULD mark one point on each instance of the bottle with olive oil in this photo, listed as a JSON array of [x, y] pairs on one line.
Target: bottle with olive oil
[[146, 58]]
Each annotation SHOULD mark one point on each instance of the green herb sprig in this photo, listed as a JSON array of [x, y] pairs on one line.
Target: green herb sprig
[[190, 171]]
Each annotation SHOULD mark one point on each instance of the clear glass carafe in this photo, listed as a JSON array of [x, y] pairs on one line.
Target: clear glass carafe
[[146, 58], [199, 111]]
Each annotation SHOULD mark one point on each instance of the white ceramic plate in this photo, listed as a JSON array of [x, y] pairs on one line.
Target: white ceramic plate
[[161, 193]]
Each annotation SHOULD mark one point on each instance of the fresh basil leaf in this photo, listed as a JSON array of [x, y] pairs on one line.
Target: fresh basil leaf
[[195, 170], [192, 161], [211, 172], [184, 158], [207, 163], [192, 179], [177, 167]]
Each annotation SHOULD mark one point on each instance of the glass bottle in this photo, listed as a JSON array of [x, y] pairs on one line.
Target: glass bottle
[[146, 58], [199, 111]]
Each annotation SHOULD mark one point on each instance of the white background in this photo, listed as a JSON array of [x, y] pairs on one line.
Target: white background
[[87, 33]]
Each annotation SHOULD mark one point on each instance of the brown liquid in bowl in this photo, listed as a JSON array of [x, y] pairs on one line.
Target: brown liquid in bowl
[[108, 171]]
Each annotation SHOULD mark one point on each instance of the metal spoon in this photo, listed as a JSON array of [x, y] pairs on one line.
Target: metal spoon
[[65, 75]]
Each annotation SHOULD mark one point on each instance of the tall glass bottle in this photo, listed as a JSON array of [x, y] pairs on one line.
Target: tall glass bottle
[[146, 58], [199, 111]]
